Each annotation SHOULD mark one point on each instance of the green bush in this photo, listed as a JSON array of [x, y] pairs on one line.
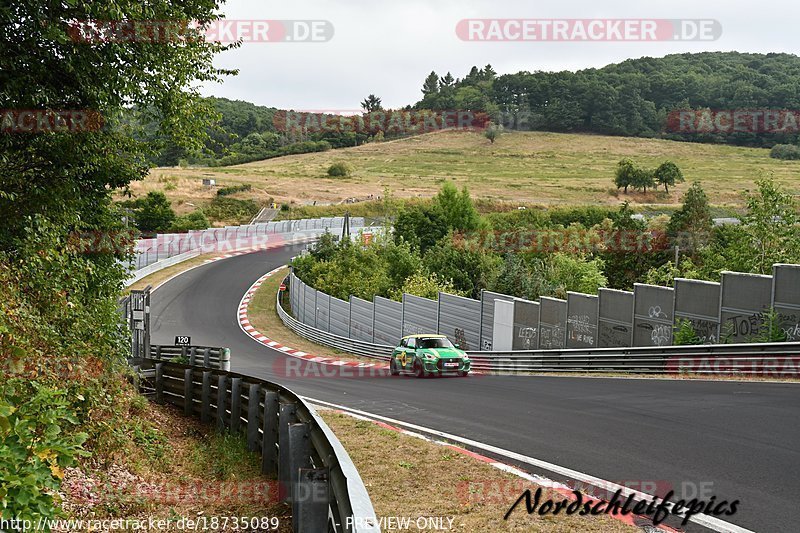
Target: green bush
[[785, 151], [194, 220], [684, 334], [340, 170], [37, 442], [223, 208], [233, 189]]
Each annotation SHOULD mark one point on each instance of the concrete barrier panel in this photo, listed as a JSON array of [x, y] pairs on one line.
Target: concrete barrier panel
[[323, 311], [487, 317], [503, 326], [388, 327], [420, 315], [460, 320], [653, 314], [698, 302], [786, 299], [362, 315], [744, 299], [582, 312], [526, 325], [340, 317], [615, 320], [552, 323], [309, 305]]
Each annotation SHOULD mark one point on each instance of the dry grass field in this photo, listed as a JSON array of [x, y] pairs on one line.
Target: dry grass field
[[523, 168]]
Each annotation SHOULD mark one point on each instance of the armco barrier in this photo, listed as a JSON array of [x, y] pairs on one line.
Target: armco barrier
[[644, 318], [164, 250], [206, 356], [771, 360], [346, 344], [313, 470]]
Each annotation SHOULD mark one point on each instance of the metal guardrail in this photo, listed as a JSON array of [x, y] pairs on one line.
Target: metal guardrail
[[768, 359], [312, 469], [194, 355], [346, 344]]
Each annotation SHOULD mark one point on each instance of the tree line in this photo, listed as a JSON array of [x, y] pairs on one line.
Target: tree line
[[631, 98]]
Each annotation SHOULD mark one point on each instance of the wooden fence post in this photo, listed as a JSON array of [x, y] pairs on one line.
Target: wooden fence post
[[187, 391], [222, 392], [269, 441], [253, 401]]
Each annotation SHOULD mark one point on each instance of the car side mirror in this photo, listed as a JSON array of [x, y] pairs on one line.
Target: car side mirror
[[457, 346]]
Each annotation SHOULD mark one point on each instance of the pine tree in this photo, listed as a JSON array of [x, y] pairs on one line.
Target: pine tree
[[431, 85]]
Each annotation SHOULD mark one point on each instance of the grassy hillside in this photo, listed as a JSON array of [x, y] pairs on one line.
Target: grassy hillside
[[521, 167]]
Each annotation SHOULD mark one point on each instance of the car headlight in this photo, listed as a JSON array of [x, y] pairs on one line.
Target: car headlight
[[430, 357], [464, 356]]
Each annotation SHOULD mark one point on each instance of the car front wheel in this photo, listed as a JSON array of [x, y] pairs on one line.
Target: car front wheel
[[463, 373], [418, 370]]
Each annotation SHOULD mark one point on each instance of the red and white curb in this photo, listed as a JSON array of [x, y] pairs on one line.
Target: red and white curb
[[536, 479], [253, 333]]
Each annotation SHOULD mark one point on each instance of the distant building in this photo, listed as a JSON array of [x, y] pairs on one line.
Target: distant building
[[208, 182]]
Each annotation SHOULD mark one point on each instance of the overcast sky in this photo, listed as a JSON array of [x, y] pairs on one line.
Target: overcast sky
[[388, 47]]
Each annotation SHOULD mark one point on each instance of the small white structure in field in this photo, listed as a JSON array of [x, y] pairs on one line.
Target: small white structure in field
[[208, 182]]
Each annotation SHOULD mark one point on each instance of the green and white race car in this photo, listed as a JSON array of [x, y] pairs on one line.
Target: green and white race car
[[428, 355]]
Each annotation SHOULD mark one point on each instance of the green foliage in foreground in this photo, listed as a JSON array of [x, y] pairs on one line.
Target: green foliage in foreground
[[37, 442], [62, 383]]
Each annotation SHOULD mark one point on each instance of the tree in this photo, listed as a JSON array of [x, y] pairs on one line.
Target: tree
[[371, 104], [194, 220], [470, 270], [446, 82], [771, 224], [564, 272], [625, 175], [420, 226], [642, 179], [690, 227], [493, 131], [431, 85], [668, 174], [69, 176], [154, 213], [457, 208]]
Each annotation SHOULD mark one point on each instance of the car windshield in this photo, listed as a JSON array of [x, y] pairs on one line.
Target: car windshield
[[436, 342]]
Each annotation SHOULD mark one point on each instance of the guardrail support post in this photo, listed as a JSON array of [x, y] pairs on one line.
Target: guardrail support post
[[205, 407], [206, 357], [236, 404], [299, 457], [269, 439], [187, 391], [160, 383], [288, 415], [312, 498], [253, 398], [222, 391], [158, 351], [192, 355]]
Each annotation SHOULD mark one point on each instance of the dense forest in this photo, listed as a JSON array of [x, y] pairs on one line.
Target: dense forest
[[635, 98], [632, 98]]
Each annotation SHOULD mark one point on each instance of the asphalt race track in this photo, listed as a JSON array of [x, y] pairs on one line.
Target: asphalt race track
[[738, 441]]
